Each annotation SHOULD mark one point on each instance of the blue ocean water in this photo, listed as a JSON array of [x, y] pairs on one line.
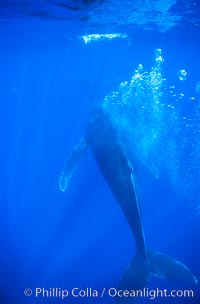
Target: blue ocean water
[[50, 76]]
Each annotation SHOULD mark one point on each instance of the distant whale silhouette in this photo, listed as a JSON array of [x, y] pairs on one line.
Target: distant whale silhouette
[[103, 139]]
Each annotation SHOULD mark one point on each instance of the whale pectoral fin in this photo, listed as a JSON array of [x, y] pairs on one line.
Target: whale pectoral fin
[[167, 267], [153, 169], [148, 164], [71, 164]]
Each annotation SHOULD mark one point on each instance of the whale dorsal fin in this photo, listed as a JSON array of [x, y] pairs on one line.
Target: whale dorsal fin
[[72, 163]]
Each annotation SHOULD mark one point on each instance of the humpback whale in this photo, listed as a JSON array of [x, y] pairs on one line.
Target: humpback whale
[[103, 139]]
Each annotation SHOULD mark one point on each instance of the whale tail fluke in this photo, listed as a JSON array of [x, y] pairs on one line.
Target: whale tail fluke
[[167, 267], [134, 278], [156, 264], [72, 163]]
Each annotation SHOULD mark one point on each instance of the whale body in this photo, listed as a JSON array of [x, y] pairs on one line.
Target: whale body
[[103, 139]]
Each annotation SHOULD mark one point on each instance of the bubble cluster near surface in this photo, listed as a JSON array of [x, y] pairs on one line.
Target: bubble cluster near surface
[[154, 128]]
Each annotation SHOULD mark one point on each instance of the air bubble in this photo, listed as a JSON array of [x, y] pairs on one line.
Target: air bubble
[[136, 76], [140, 68], [182, 75], [181, 95], [123, 86], [158, 57], [197, 88]]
